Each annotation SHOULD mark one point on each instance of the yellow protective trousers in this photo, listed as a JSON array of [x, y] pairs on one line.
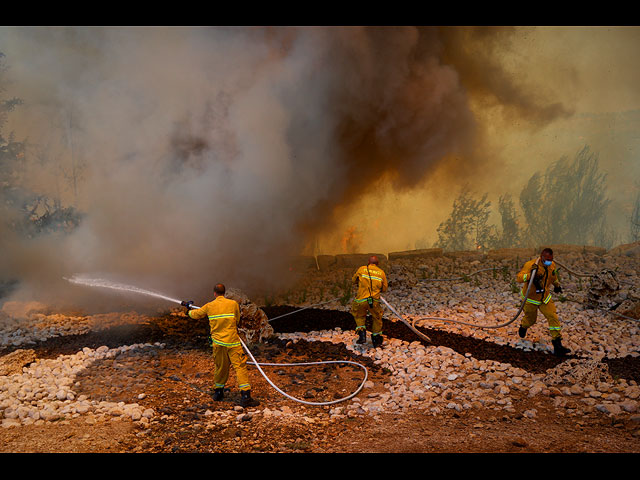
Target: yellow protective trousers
[[359, 310], [224, 357], [549, 311]]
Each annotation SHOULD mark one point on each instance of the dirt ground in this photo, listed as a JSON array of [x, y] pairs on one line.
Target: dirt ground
[[177, 382]]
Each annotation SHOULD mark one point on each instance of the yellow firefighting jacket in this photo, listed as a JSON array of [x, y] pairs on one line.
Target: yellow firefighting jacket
[[371, 280], [224, 315], [547, 275]]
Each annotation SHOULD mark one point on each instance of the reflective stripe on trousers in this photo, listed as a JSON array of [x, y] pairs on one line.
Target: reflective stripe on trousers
[[549, 311], [225, 357], [359, 310]]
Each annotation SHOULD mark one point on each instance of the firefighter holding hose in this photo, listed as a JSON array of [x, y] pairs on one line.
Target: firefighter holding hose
[[371, 281], [539, 298], [224, 315]]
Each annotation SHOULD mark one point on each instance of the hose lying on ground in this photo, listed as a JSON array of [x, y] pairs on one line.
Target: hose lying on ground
[[402, 319], [577, 274], [393, 310], [304, 308], [524, 300], [259, 364]]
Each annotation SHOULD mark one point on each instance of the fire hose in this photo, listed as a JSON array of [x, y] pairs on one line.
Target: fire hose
[[402, 319], [572, 272], [259, 364], [513, 319], [393, 310], [116, 286]]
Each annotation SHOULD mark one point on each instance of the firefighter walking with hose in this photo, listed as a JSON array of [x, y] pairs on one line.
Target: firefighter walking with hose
[[371, 281], [544, 270]]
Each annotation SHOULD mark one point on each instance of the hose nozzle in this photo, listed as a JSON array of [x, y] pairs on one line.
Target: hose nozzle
[[188, 304]]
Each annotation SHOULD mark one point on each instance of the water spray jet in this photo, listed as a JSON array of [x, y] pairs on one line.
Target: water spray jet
[[99, 282]]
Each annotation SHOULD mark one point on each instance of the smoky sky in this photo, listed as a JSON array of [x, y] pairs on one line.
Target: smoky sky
[[214, 154]]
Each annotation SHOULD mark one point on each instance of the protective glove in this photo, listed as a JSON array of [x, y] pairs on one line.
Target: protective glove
[[187, 304], [557, 289]]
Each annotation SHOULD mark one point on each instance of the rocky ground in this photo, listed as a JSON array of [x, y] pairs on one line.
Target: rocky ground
[[136, 383]]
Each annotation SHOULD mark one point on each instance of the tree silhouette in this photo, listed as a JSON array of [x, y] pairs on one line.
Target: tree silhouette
[[566, 203], [467, 227], [22, 210], [11, 151], [510, 235]]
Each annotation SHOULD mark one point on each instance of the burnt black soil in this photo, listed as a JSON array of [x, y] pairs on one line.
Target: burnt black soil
[[179, 332], [533, 362]]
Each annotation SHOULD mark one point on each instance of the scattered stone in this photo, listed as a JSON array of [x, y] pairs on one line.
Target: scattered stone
[[436, 379], [519, 442]]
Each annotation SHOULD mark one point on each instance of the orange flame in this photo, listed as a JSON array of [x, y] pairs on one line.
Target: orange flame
[[351, 240]]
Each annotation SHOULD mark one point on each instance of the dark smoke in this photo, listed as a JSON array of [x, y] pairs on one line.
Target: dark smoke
[[215, 154], [473, 51]]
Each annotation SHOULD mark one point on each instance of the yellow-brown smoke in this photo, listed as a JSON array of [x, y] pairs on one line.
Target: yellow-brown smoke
[[213, 154]]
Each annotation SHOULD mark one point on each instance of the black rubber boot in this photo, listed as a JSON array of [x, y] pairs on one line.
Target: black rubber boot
[[218, 394], [376, 340], [558, 349], [362, 336], [246, 400], [522, 332]]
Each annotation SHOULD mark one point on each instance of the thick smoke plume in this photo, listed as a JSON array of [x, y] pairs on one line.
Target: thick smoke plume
[[214, 154]]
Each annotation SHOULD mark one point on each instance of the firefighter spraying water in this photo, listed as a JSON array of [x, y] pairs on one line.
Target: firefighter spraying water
[[224, 315], [223, 323]]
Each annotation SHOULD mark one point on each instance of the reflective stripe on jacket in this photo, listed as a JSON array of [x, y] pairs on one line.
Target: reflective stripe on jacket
[[371, 281], [548, 277], [224, 315]]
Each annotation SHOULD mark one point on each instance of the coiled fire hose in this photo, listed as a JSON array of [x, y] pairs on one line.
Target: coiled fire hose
[[596, 307]]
